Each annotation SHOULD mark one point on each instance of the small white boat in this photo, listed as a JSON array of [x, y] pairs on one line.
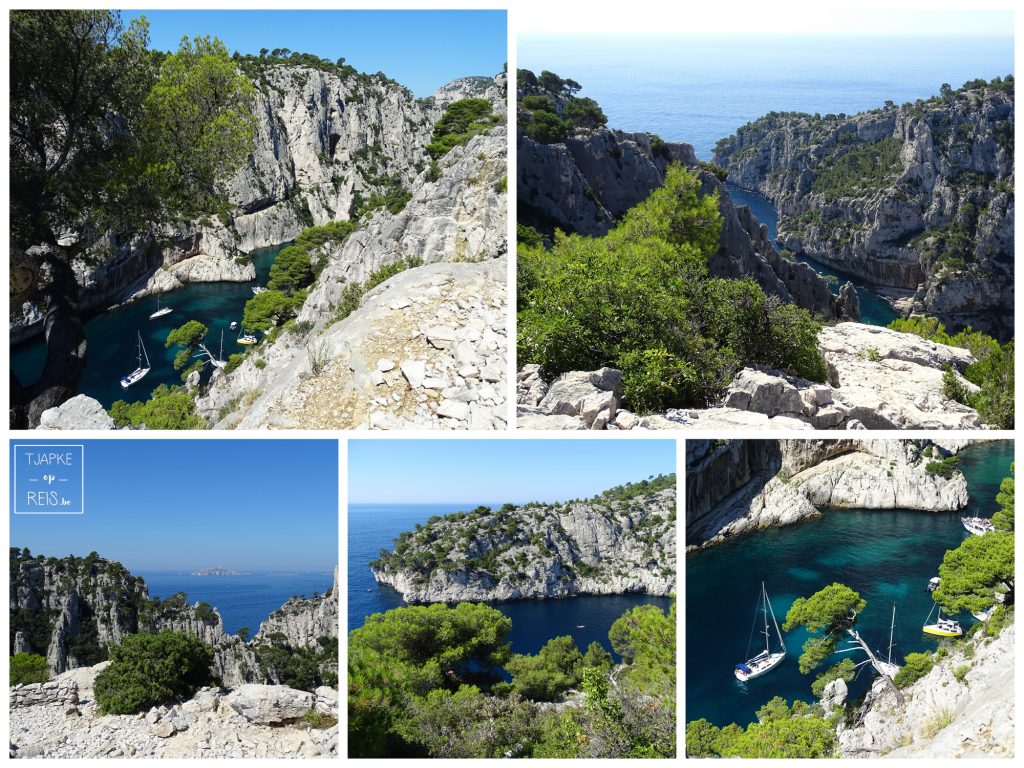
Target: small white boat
[[943, 627], [581, 626], [140, 370], [984, 615], [258, 289], [767, 660], [978, 526], [233, 326], [160, 312], [933, 584], [246, 338]]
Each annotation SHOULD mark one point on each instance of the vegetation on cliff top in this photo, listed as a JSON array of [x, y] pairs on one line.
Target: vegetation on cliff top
[[426, 682], [461, 121], [549, 109], [640, 299], [502, 543]]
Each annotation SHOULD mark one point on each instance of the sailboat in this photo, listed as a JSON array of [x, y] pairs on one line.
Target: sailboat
[[986, 614], [140, 372], [246, 338], [978, 526], [766, 660], [887, 666], [942, 627], [219, 362], [160, 312]]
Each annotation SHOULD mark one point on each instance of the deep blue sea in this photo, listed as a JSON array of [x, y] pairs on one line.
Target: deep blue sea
[[887, 556], [701, 89], [112, 349], [243, 601], [534, 622]]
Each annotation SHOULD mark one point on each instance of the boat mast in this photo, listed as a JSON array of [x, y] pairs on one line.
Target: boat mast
[[775, 621], [142, 350], [891, 627]]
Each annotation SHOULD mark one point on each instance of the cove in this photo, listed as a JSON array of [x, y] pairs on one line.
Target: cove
[[111, 338], [874, 310], [886, 556], [534, 622]]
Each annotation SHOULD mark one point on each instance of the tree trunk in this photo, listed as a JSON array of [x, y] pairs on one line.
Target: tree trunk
[[65, 344], [900, 699]]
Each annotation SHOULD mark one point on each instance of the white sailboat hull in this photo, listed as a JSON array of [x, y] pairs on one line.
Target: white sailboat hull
[[890, 669], [161, 312], [761, 664], [135, 376]]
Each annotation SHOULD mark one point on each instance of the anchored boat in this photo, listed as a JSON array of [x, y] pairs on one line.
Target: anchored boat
[[942, 627], [258, 289], [160, 312], [140, 370], [978, 526], [767, 660], [888, 666], [933, 583]]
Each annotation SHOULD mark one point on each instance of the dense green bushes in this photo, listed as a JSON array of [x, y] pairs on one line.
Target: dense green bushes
[[461, 121], [915, 666], [782, 731], [424, 682], [167, 408], [296, 667], [864, 169], [147, 670], [992, 369], [640, 299], [28, 668], [540, 116]]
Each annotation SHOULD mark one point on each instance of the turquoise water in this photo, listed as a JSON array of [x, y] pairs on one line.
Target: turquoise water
[[112, 342], [887, 556], [874, 310], [243, 601], [534, 622]]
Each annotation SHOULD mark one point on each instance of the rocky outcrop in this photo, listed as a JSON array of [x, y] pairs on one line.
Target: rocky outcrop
[[877, 379], [425, 350], [612, 544], [61, 692], [934, 216], [303, 621], [256, 721], [948, 713], [586, 183], [80, 412], [737, 486]]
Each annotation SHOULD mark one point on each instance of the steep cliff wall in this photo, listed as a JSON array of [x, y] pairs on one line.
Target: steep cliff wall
[[302, 621], [917, 197], [606, 545], [734, 487]]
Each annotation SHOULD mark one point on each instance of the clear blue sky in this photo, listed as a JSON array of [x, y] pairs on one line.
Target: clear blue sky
[[187, 504], [498, 471], [422, 50]]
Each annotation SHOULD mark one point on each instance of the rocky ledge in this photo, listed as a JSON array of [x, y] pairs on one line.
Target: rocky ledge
[[738, 486], [877, 379], [947, 715], [606, 545], [253, 721]]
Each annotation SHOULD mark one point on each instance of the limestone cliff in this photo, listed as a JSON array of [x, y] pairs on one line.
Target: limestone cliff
[[303, 621], [737, 486], [325, 139], [915, 198], [74, 610], [963, 708], [623, 541]]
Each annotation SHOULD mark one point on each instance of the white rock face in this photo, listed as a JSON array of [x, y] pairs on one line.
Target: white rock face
[[598, 546], [269, 704], [945, 718], [303, 621], [80, 412], [738, 486]]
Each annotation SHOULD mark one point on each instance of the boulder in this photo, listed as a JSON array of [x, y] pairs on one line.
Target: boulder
[[268, 704], [80, 412]]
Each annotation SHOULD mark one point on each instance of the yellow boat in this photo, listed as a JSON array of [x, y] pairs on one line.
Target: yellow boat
[[943, 627]]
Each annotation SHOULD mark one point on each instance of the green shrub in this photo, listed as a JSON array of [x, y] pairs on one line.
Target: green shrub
[[915, 666], [640, 299], [28, 668], [147, 670], [547, 128], [167, 408], [556, 668], [943, 467], [462, 120], [537, 101]]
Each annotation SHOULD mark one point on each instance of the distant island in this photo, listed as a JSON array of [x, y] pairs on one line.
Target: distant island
[[216, 572]]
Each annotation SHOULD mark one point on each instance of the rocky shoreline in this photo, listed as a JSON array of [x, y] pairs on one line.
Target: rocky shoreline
[[738, 486]]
